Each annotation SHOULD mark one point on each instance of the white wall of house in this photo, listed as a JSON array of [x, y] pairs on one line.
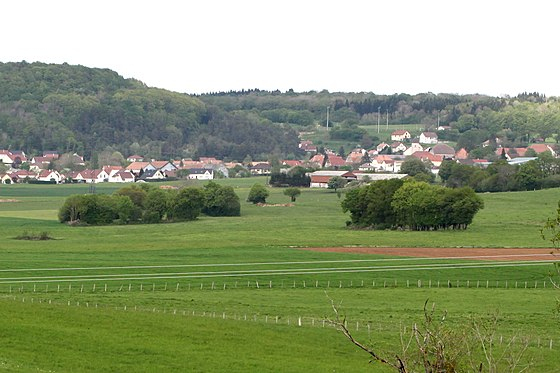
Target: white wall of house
[[208, 175]]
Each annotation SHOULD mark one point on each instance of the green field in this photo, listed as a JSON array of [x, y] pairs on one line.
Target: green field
[[320, 136], [240, 294]]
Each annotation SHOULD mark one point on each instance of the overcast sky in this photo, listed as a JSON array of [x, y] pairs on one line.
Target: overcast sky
[[491, 47]]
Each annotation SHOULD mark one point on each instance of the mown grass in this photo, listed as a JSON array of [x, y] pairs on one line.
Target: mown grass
[[111, 339]]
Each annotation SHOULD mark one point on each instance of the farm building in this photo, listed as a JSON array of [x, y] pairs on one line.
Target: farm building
[[320, 179]]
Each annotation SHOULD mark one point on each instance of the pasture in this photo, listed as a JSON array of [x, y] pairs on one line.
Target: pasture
[[241, 294]]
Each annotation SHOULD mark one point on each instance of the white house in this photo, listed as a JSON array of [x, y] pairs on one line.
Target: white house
[[49, 175], [93, 176], [122, 177], [201, 174], [428, 138], [400, 135], [414, 147], [163, 166], [398, 147]]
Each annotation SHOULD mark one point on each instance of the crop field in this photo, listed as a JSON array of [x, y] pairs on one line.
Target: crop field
[[248, 293]]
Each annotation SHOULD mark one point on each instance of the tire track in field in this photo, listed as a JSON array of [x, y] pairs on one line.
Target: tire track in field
[[228, 273]]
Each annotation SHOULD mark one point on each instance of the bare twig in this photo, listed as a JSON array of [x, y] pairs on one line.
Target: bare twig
[[340, 324]]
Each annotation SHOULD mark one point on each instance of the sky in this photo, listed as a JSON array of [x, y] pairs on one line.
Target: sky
[[491, 47]]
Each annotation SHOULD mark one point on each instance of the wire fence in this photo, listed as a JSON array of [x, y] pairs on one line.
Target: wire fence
[[324, 284], [359, 326]]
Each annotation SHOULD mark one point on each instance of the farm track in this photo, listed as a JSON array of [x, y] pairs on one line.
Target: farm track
[[267, 269]]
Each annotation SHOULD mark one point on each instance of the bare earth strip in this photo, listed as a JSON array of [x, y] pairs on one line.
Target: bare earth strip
[[459, 252]]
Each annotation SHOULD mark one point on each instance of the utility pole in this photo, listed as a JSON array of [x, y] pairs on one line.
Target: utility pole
[[378, 113], [387, 125]]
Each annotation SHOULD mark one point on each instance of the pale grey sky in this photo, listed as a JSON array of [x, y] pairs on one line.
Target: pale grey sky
[[394, 46]]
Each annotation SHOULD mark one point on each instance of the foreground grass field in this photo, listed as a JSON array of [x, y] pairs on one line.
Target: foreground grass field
[[249, 283]]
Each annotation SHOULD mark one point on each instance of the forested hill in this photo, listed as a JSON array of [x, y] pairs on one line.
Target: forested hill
[[88, 111], [469, 120], [85, 110]]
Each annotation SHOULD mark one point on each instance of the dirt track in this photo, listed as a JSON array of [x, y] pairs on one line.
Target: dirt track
[[470, 253]]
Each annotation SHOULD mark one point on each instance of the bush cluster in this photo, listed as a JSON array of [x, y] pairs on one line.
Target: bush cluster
[[148, 204], [411, 205]]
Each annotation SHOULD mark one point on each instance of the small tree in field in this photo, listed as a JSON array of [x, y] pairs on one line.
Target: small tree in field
[[258, 194], [336, 182], [292, 193]]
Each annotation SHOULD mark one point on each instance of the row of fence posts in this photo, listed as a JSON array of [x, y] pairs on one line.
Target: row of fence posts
[[329, 284], [295, 321]]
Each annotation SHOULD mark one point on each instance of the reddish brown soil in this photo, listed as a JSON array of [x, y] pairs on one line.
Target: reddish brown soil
[[460, 252]]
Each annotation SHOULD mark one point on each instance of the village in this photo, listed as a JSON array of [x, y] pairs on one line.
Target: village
[[381, 162]]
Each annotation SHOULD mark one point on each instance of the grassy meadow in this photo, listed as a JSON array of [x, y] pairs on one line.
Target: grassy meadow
[[229, 294]]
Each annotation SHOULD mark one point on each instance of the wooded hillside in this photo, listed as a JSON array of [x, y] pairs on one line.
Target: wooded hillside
[[84, 110]]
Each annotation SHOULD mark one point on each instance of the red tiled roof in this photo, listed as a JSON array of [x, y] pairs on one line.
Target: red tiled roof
[[336, 160], [540, 148], [427, 155]]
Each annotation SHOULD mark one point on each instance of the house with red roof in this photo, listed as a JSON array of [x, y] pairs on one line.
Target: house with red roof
[[317, 160], [6, 179], [355, 156], [541, 148], [20, 176], [444, 150], [139, 167], [320, 179], [50, 176], [291, 163], [12, 157], [462, 154], [510, 153], [335, 161], [427, 156], [413, 148], [307, 146], [135, 158], [122, 176], [163, 165], [397, 146]]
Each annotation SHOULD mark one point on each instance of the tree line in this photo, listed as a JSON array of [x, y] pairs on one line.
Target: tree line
[[541, 173], [148, 204]]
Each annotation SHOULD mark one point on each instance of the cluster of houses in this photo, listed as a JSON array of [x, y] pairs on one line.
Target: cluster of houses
[[40, 169], [383, 161]]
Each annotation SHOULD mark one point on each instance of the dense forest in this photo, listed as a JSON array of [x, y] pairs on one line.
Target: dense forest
[[78, 109]]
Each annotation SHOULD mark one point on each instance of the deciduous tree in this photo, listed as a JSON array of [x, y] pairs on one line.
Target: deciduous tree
[[258, 194]]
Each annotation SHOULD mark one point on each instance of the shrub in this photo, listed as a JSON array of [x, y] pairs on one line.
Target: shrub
[[187, 204], [220, 200], [258, 194]]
